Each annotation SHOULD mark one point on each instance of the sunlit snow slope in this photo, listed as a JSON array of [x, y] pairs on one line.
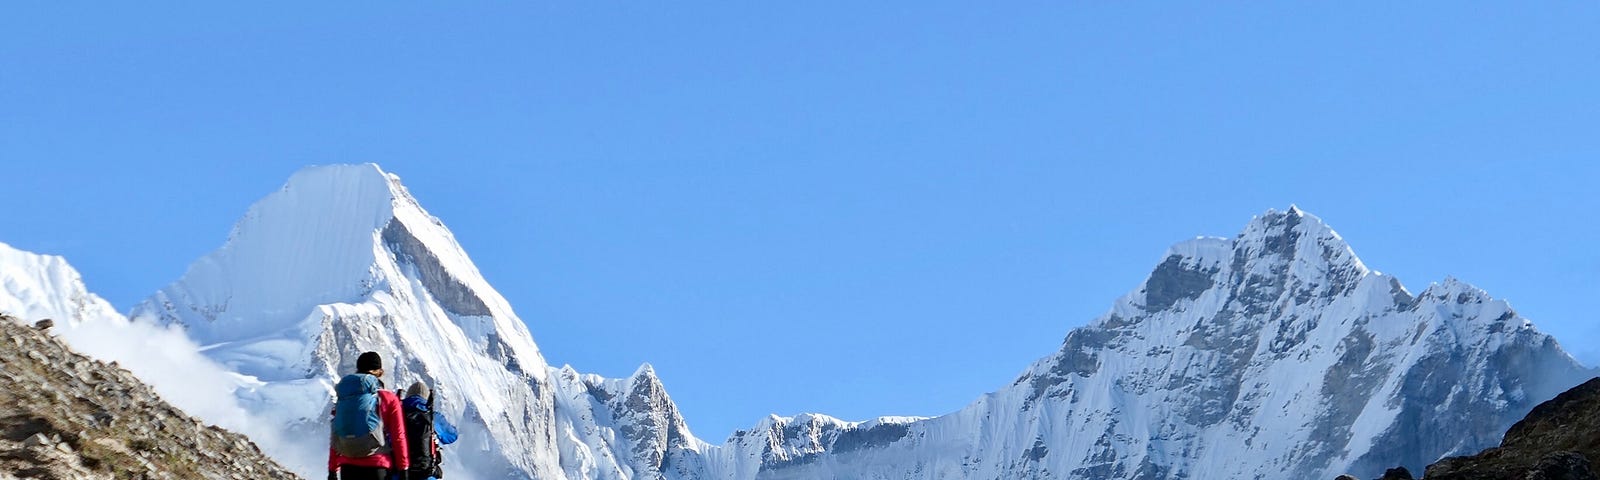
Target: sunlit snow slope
[[342, 260], [1273, 354]]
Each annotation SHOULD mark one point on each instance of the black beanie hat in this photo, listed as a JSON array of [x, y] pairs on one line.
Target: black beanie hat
[[368, 362]]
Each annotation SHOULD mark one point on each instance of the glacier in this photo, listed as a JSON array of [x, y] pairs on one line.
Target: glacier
[[1273, 353]]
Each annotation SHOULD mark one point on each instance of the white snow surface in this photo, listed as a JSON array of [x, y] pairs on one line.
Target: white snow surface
[[1271, 354]]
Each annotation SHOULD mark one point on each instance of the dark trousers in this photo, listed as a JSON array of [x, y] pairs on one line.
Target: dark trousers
[[347, 472]]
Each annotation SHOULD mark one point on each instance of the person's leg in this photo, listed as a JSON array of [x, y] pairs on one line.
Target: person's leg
[[434, 472], [362, 473]]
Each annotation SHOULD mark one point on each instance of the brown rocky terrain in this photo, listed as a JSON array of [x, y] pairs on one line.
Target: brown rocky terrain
[[1557, 440], [64, 416]]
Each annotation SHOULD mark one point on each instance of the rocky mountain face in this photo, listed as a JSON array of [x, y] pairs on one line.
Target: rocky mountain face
[[344, 260], [68, 417], [1273, 354], [1557, 440], [628, 427]]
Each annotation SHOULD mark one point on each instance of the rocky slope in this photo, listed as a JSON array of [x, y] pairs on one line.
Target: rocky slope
[[1559, 439], [166, 359], [68, 417]]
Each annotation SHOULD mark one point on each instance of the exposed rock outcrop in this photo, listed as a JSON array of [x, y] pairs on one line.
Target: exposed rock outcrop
[[1397, 473]]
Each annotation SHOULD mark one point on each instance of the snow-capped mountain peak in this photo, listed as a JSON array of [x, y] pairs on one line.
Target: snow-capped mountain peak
[[334, 235], [307, 244], [1276, 353], [342, 260], [45, 286], [1300, 237]]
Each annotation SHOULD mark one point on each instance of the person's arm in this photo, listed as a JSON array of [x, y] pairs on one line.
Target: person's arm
[[333, 457], [395, 423]]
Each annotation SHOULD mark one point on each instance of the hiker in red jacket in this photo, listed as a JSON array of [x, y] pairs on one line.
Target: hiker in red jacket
[[369, 441]]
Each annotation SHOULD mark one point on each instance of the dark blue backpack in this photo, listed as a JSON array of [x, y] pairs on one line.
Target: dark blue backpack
[[357, 428], [418, 414]]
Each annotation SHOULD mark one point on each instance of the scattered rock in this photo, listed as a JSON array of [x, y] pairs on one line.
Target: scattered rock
[[1562, 466], [36, 440], [1397, 473], [44, 324]]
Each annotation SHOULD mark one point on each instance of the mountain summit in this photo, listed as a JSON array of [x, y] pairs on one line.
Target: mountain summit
[[331, 235], [1274, 354], [343, 260]]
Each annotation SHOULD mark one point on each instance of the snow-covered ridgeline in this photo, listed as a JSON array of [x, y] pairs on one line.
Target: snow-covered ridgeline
[[1275, 352], [343, 260]]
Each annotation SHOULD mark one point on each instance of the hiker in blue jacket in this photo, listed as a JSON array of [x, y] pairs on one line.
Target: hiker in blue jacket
[[425, 431]]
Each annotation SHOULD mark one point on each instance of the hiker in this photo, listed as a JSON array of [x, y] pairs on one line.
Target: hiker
[[369, 433], [424, 433]]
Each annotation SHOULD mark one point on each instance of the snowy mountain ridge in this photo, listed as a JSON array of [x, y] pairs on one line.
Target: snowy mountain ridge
[[1276, 351], [343, 260]]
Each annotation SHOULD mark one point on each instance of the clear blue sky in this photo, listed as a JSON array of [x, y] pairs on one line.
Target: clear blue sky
[[852, 209]]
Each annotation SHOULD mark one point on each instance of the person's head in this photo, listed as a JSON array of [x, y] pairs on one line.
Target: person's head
[[370, 363], [418, 390]]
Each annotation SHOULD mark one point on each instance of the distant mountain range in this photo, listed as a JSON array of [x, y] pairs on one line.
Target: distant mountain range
[[1272, 354]]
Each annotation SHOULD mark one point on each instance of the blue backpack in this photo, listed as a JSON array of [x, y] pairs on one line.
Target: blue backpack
[[357, 428]]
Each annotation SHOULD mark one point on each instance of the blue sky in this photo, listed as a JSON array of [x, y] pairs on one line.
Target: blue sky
[[858, 210]]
